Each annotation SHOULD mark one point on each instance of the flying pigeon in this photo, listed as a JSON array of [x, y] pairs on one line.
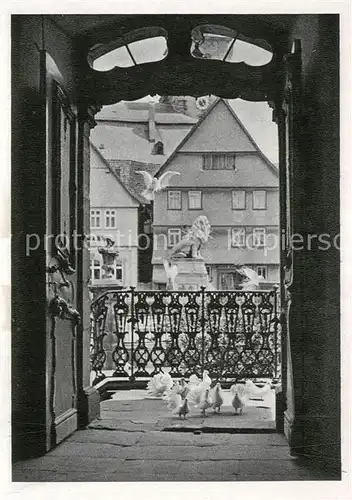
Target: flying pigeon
[[252, 278], [217, 397], [240, 397], [155, 184], [159, 384]]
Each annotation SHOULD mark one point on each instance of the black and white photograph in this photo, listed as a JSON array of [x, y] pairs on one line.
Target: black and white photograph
[[175, 247]]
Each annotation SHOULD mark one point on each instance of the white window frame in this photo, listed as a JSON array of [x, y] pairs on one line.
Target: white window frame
[[238, 237], [173, 233], [242, 206], [94, 215], [191, 194], [260, 272], [171, 200], [255, 204], [110, 218], [259, 237], [219, 161]]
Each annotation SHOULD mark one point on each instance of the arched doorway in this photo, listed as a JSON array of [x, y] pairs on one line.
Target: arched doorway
[[181, 73]]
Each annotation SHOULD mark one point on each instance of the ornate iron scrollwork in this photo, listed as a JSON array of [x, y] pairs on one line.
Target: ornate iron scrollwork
[[98, 321], [120, 354], [233, 334]]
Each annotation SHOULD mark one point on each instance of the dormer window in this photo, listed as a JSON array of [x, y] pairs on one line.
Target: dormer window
[[158, 148]]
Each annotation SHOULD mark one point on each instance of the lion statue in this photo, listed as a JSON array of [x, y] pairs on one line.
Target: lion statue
[[191, 243]]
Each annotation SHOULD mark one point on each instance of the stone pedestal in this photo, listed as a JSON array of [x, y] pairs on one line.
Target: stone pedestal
[[191, 274]]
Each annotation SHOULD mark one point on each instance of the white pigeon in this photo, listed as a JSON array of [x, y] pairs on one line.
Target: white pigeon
[[197, 388], [205, 402], [240, 397], [206, 378], [254, 390], [177, 405], [217, 397], [155, 184], [159, 384], [194, 381], [253, 278], [182, 388]]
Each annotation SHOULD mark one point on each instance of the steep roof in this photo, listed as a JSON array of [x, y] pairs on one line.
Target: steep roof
[[115, 175], [139, 113], [130, 141], [198, 124], [126, 170]]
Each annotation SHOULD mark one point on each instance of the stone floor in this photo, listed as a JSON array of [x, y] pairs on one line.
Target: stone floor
[[129, 443]]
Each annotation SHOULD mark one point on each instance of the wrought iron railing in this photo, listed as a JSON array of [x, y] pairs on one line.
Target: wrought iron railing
[[233, 334]]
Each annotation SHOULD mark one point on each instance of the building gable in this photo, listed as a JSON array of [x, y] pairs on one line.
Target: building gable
[[220, 131], [106, 189]]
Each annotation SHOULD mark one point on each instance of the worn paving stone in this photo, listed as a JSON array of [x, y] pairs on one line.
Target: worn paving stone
[[165, 438], [154, 405], [121, 438], [120, 425], [208, 470], [31, 476], [174, 422], [161, 470], [62, 464], [101, 450], [193, 452], [128, 416], [284, 468], [185, 451], [159, 438], [148, 470]]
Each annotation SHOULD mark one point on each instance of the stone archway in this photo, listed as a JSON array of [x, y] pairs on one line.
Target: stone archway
[[313, 341]]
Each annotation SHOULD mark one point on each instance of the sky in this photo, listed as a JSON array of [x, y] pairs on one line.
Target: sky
[[256, 116]]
